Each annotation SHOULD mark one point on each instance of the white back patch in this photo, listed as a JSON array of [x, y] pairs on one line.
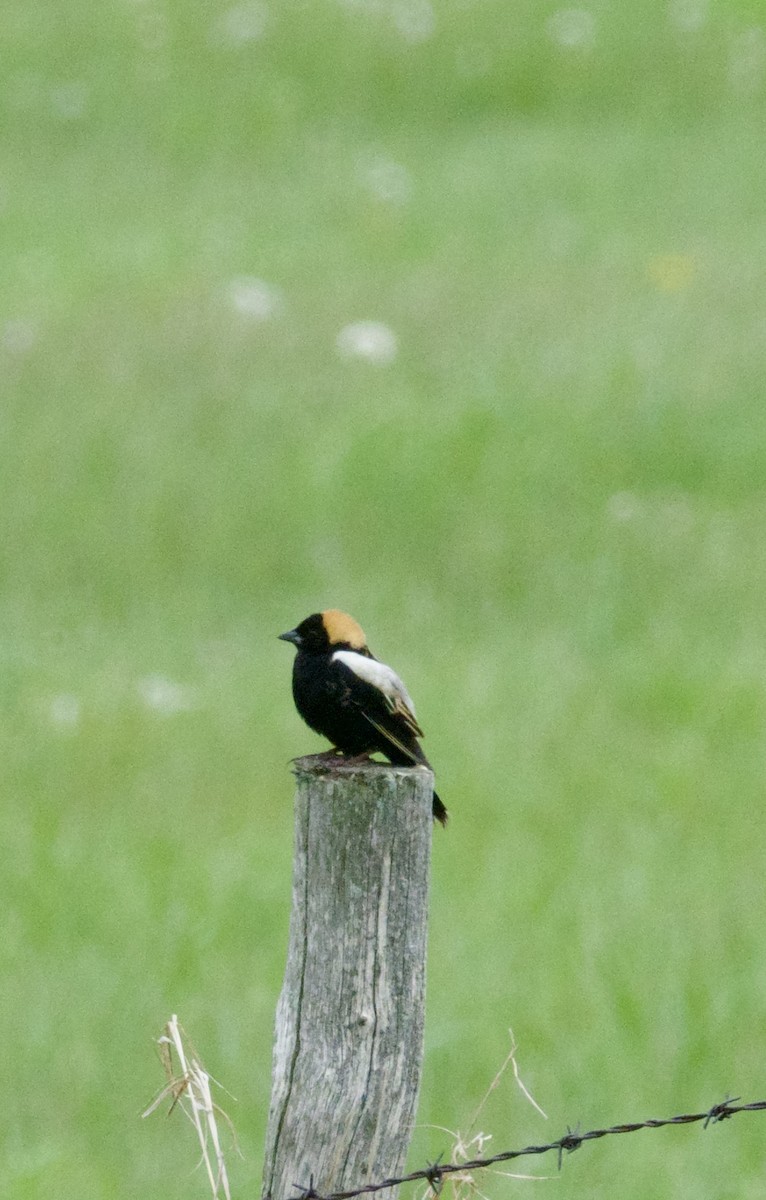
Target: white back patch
[[378, 674]]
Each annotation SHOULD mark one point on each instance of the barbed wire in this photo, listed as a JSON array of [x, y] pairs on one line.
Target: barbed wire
[[435, 1173]]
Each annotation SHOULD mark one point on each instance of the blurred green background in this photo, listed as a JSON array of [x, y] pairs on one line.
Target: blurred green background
[[537, 479]]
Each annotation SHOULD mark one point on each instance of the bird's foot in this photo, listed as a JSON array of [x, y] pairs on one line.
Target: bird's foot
[[330, 757]]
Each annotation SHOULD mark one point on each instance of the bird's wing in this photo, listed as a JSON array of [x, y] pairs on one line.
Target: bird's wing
[[394, 694], [386, 733]]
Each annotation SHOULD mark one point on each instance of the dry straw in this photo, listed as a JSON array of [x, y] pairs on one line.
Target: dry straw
[[188, 1086]]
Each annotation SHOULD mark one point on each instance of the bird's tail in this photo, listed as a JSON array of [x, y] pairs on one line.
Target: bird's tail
[[440, 813]]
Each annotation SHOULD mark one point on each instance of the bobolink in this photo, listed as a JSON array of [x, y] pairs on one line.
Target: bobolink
[[343, 692]]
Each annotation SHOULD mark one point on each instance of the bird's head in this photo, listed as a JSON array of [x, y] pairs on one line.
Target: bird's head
[[325, 631]]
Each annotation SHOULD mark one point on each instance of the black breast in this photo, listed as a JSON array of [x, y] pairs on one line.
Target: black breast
[[323, 697]]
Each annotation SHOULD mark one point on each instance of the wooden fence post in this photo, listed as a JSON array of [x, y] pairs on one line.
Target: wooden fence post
[[349, 1027]]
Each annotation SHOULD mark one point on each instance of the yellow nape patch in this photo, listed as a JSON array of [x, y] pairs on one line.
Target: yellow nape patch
[[343, 628]]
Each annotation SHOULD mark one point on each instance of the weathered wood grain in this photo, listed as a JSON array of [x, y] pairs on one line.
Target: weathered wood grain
[[349, 1028]]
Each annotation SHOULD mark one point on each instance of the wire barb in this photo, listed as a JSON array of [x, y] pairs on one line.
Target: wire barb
[[721, 1112], [433, 1174], [307, 1193], [570, 1142]]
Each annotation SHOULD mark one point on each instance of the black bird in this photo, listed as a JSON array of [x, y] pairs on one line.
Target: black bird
[[343, 692]]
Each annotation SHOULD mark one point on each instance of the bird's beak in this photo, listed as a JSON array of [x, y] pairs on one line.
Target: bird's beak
[[292, 635]]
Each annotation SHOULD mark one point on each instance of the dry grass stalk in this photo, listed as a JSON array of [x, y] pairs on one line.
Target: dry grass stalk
[[462, 1184], [509, 1061], [188, 1087]]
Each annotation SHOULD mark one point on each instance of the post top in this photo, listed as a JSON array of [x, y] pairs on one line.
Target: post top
[[340, 768]]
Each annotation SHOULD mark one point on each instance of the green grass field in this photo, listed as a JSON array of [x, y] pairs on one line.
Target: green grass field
[[546, 507]]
